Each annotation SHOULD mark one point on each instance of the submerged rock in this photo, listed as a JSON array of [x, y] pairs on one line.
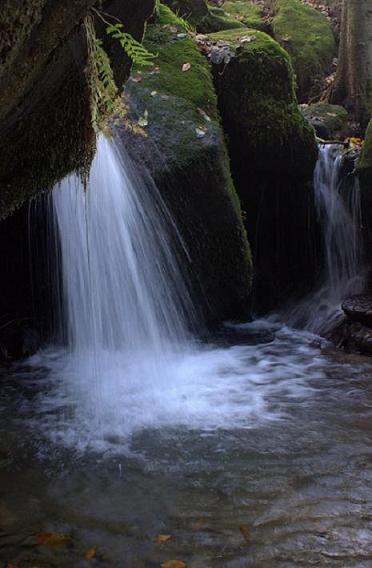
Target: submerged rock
[[182, 146]]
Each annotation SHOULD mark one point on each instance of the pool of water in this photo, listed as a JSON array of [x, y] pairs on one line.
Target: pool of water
[[246, 455]]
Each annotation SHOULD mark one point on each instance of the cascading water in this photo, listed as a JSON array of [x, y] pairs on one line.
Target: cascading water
[[130, 363], [123, 288], [340, 218]]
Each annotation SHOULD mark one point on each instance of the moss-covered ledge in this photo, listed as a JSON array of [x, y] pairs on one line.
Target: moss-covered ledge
[[183, 148]]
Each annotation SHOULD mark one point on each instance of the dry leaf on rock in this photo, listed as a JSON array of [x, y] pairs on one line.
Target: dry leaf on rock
[[53, 538], [161, 538], [90, 553], [246, 532], [173, 564]]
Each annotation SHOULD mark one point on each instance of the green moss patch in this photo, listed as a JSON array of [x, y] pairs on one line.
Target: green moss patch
[[307, 35]]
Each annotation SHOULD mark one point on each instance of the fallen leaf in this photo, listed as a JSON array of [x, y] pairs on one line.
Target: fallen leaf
[[137, 78], [173, 564], [161, 538], [90, 553], [200, 133], [154, 93], [186, 67], [53, 538], [246, 532], [143, 121], [197, 525]]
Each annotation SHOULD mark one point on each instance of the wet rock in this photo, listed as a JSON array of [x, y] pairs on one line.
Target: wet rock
[[359, 309], [185, 153], [356, 338], [329, 121]]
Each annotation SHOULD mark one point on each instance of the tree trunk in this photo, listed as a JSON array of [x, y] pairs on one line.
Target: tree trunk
[[353, 85]]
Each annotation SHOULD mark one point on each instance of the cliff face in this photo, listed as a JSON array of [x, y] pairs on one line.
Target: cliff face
[[45, 126]]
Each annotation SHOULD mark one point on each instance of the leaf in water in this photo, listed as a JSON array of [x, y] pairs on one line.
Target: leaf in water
[[173, 564], [246, 532], [90, 553], [186, 67], [53, 538], [161, 538], [143, 121]]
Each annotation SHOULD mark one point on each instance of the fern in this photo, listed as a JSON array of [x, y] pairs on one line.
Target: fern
[[105, 99], [135, 50]]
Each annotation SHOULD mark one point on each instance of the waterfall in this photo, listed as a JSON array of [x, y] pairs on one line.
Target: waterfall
[[123, 288], [339, 211]]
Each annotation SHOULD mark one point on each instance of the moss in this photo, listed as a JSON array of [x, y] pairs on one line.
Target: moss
[[307, 35], [258, 102], [183, 147], [246, 13], [364, 164], [208, 19], [329, 121]]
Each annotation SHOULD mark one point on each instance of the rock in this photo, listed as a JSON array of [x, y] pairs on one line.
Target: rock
[[191, 171], [307, 36], [259, 108], [273, 154], [45, 118], [356, 338], [359, 309], [329, 121], [223, 16]]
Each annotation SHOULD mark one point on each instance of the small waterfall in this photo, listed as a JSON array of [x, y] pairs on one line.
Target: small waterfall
[[123, 288], [339, 211]]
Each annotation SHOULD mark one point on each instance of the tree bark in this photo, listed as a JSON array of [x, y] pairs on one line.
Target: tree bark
[[353, 85]]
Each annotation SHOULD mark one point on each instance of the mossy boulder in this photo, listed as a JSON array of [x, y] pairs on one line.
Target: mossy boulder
[[364, 164], [183, 148], [45, 117], [273, 153], [329, 121], [259, 107], [307, 35], [208, 19], [247, 13]]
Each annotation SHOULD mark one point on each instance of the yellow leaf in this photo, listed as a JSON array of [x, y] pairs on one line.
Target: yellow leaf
[[173, 564], [53, 538], [90, 553], [161, 538]]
